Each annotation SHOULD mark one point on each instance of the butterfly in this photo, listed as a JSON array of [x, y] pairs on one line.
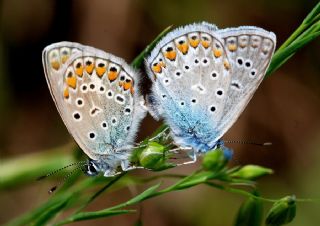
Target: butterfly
[[98, 98], [203, 78]]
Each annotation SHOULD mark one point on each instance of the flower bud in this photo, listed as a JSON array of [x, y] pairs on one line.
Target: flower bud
[[216, 159], [152, 155], [282, 212], [251, 172], [250, 213]]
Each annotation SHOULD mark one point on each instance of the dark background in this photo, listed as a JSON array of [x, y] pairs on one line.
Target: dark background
[[284, 110]]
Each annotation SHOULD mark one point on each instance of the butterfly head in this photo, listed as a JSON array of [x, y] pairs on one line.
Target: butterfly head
[[92, 168]]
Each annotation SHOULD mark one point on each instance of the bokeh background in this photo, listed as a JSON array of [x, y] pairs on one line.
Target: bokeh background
[[284, 110]]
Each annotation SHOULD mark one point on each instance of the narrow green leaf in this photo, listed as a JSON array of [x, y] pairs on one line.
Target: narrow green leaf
[[307, 22], [280, 57], [190, 181], [93, 215], [50, 213], [113, 210], [314, 14], [102, 190], [144, 195]]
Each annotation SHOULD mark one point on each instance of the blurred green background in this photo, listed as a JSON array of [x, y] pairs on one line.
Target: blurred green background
[[284, 110]]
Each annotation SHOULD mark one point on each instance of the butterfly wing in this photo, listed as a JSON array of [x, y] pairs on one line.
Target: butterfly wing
[[96, 95], [195, 82], [249, 50]]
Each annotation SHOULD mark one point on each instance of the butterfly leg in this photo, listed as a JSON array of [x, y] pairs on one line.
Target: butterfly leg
[[163, 134], [111, 173], [126, 165], [190, 153]]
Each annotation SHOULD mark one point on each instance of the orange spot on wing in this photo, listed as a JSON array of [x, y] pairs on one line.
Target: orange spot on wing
[[89, 68], [132, 90], [232, 47], [157, 68], [127, 85], [66, 93], [64, 58], [100, 71], [79, 71], [183, 48], [217, 53], [55, 65], [112, 75], [171, 55], [205, 44], [72, 81], [226, 65], [194, 43]]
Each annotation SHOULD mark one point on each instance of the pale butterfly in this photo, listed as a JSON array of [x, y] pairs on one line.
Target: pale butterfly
[[204, 77], [98, 98]]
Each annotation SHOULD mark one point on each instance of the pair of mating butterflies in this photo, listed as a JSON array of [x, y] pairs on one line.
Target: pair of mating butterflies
[[202, 79]]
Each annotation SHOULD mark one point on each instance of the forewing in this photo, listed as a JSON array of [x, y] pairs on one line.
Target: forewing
[[200, 86]]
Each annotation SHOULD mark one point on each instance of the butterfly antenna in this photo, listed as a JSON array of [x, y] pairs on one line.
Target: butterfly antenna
[[66, 177], [247, 142], [58, 170]]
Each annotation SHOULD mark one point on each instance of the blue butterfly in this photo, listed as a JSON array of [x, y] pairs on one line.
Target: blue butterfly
[[203, 78]]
